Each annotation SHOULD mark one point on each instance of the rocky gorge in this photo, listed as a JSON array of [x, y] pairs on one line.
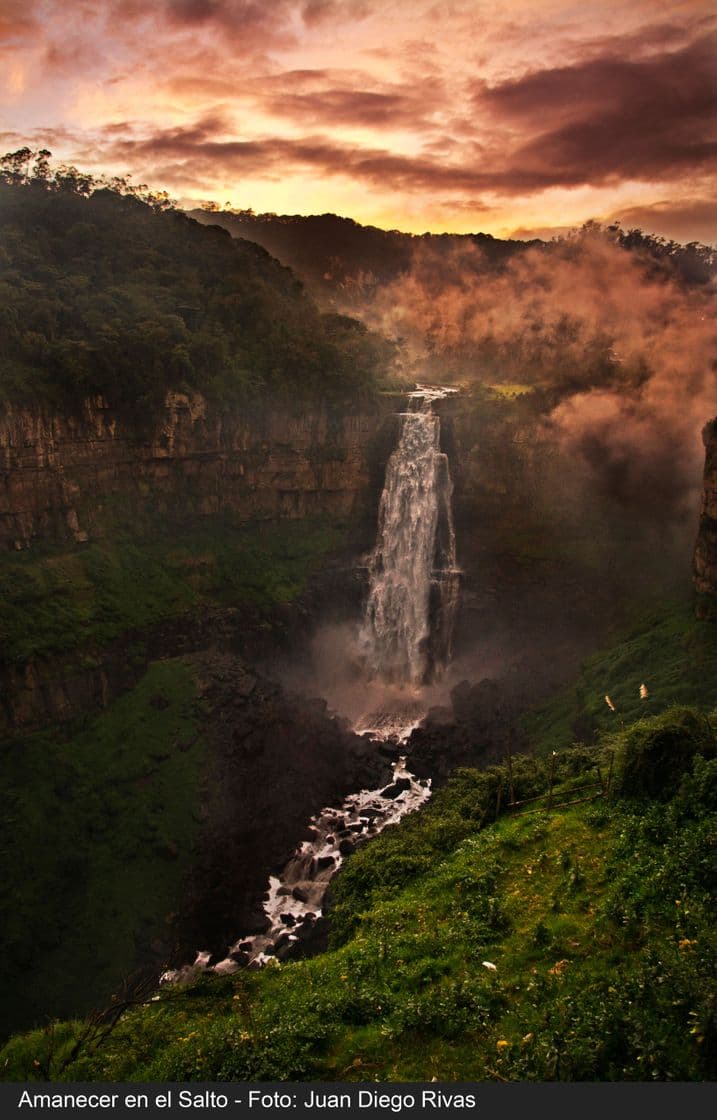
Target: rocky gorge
[[89, 501]]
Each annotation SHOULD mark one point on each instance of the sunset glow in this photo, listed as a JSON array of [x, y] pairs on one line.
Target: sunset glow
[[518, 117]]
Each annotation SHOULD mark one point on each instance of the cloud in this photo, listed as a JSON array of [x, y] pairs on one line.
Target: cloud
[[611, 118], [18, 20], [203, 148], [349, 106], [685, 220], [276, 23], [383, 107], [624, 352]]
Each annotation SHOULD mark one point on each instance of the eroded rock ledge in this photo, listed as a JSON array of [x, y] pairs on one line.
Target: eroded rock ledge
[[58, 473]]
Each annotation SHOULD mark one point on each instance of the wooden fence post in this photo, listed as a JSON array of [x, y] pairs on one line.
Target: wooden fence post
[[510, 774], [552, 774], [609, 775]]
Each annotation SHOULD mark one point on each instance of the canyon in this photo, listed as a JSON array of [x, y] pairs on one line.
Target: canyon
[[269, 756]]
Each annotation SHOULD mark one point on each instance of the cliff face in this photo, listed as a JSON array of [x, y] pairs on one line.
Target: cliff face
[[58, 473], [705, 559]]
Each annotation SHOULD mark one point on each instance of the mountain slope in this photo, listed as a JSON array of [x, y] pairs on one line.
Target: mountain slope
[[105, 295], [569, 943]]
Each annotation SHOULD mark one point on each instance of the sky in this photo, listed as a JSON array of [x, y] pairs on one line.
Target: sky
[[513, 117]]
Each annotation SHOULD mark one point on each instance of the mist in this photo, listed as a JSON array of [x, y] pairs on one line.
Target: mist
[[619, 349]]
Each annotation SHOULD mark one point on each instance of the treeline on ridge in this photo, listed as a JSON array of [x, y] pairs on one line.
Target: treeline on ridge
[[339, 255], [107, 289]]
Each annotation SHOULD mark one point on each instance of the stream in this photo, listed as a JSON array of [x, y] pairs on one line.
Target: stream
[[405, 638]]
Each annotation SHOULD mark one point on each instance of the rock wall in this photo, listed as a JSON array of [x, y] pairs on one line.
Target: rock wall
[[705, 558], [58, 473]]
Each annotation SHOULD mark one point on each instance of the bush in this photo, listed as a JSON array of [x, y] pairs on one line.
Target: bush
[[659, 752]]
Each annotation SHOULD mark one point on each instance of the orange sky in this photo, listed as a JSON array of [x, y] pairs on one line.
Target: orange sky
[[501, 116]]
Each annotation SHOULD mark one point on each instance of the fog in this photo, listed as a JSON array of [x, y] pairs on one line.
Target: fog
[[623, 352]]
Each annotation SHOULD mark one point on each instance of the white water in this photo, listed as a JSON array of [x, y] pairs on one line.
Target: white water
[[406, 642], [413, 574], [294, 899]]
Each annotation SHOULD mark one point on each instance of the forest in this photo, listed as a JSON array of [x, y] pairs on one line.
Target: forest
[[108, 290]]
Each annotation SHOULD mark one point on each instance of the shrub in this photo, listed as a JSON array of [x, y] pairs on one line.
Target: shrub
[[659, 752]]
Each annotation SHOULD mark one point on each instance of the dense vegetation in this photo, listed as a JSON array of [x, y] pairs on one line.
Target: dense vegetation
[[105, 292], [100, 813], [596, 917], [337, 255], [78, 601], [594, 913], [99, 824]]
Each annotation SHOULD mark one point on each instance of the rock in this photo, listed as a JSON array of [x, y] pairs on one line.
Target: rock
[[288, 919], [396, 789], [346, 847], [300, 894], [256, 922], [324, 862]]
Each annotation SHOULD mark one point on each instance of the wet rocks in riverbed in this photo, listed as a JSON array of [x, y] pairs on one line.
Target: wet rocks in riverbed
[[396, 788]]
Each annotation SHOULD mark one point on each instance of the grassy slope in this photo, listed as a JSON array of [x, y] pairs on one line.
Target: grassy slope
[[595, 915], [667, 649]]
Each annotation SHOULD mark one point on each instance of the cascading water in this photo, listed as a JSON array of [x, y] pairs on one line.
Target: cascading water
[[405, 638], [406, 642]]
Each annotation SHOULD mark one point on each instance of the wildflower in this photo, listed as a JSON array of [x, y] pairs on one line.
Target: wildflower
[[644, 694], [490, 966], [609, 703], [685, 943], [527, 1038], [502, 1044], [558, 968]]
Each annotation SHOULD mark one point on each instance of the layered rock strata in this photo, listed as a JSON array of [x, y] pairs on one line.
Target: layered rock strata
[[58, 473]]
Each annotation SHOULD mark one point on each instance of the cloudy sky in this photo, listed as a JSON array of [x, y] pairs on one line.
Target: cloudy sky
[[508, 116]]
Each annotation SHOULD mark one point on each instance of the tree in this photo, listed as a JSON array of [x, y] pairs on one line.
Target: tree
[[15, 165]]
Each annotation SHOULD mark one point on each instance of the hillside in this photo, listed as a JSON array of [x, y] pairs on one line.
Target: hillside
[[568, 940], [338, 255], [194, 455], [104, 294], [340, 258]]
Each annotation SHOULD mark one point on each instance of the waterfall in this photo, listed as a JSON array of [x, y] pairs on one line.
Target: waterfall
[[406, 641], [405, 638]]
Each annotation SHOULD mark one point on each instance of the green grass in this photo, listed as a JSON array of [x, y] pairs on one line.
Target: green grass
[[509, 391], [99, 831], [84, 598], [668, 649], [595, 915]]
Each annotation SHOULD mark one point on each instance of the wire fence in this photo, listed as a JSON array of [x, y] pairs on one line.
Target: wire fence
[[602, 787]]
